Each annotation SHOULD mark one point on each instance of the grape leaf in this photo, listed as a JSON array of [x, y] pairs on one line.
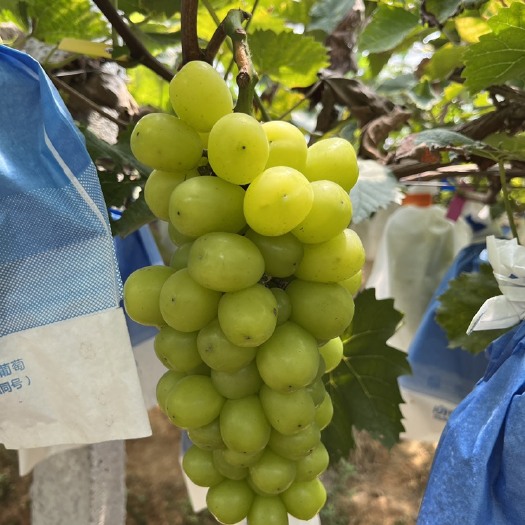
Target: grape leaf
[[388, 28], [441, 10], [289, 58], [133, 217], [444, 61], [364, 387], [326, 14], [460, 302]]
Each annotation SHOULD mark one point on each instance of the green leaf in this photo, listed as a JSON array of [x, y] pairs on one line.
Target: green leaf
[[134, 217], [388, 27], [442, 10], [364, 387], [288, 58], [499, 56], [326, 14], [460, 302], [444, 61], [148, 89]]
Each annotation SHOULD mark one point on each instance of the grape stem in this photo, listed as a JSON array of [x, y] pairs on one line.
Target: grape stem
[[189, 37]]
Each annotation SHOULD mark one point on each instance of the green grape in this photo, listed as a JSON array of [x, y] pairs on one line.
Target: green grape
[[353, 284], [277, 201], [141, 294], [193, 402], [272, 474], [158, 188], [287, 145], [284, 306], [248, 317], [218, 352], [240, 383], [199, 95], [166, 382], [324, 309], [177, 350], [334, 260], [199, 467], [240, 459], [267, 510], [332, 353], [206, 204], [179, 259], [287, 413], [289, 360], [313, 465], [237, 148], [178, 238], [317, 391], [330, 214], [230, 500], [208, 436], [295, 446], [165, 142], [304, 499], [282, 253], [334, 159], [244, 427], [324, 412], [186, 305], [225, 262], [227, 469]]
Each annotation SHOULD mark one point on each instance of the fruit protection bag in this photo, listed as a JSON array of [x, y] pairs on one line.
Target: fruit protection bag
[[477, 476], [67, 372]]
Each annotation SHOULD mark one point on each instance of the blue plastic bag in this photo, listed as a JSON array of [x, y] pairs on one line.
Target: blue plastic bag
[[67, 373]]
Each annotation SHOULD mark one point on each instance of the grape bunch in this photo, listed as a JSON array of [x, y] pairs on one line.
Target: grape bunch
[[258, 292]]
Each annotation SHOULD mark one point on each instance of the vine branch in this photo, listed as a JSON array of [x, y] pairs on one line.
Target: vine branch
[[189, 38]]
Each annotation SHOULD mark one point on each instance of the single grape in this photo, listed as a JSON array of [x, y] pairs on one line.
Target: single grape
[[353, 284], [179, 258], [165, 142], [313, 465], [240, 459], [227, 469], [185, 304], [248, 317], [267, 510], [199, 95], [272, 474], [208, 436], [304, 499], [230, 500], [277, 201], [177, 237], [295, 446], [334, 260], [240, 383], [237, 148], [284, 306], [177, 350], [334, 159], [324, 412], [287, 145], [166, 382], [206, 204], [141, 294], [330, 214], [317, 391], [193, 402], [226, 262], [199, 467], [332, 353]]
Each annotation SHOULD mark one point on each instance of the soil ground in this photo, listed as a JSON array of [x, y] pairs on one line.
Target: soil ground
[[375, 486]]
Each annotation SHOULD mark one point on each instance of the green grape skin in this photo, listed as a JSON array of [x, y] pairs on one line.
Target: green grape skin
[[312, 465], [186, 305], [166, 382], [334, 159], [330, 214], [324, 309], [199, 467], [164, 142], [239, 459], [237, 148], [277, 201], [206, 204], [225, 262], [199, 95], [332, 353], [288, 145], [334, 260], [282, 253], [193, 402], [289, 360], [241, 383], [284, 305], [244, 427], [317, 391], [353, 284], [267, 510], [177, 350], [207, 437], [158, 188], [227, 469], [324, 412], [179, 258], [248, 317], [177, 237], [272, 474], [295, 446], [304, 499], [142, 292], [218, 352], [287, 413], [230, 501]]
